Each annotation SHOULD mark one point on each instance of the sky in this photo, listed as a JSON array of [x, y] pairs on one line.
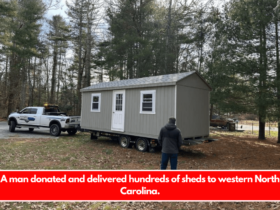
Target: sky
[[61, 10]]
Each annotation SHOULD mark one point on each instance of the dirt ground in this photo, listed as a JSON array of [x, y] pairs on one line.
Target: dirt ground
[[231, 152]]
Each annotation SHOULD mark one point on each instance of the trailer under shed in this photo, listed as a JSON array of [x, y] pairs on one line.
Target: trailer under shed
[[140, 107]]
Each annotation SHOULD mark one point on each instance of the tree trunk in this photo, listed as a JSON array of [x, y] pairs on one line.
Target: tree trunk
[[29, 82], [167, 47], [59, 77], [88, 48], [80, 70], [13, 84], [34, 79], [53, 81], [23, 87], [277, 77], [262, 85], [47, 81]]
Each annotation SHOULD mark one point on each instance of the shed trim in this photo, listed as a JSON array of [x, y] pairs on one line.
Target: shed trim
[[129, 87], [175, 107], [153, 92]]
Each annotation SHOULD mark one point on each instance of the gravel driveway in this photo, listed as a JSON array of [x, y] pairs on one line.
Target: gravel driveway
[[24, 132]]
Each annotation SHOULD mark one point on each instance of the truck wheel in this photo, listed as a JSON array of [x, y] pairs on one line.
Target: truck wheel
[[124, 141], [31, 129], [142, 145], [72, 131], [12, 126], [55, 130]]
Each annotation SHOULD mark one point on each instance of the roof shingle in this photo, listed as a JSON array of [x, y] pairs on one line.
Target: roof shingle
[[167, 79]]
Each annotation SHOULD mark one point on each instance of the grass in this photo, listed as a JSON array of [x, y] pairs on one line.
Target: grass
[[68, 152], [256, 123], [233, 151], [247, 133]]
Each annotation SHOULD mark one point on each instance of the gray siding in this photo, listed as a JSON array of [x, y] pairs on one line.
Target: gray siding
[[97, 120], [147, 125], [193, 111], [193, 81]]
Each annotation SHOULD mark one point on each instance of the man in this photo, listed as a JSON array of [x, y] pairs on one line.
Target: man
[[170, 139]]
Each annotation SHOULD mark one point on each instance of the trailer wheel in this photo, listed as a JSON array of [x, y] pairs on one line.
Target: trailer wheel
[[142, 145], [12, 126], [93, 137], [55, 130], [124, 141], [72, 131]]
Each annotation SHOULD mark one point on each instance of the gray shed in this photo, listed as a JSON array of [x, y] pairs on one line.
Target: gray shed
[[140, 107]]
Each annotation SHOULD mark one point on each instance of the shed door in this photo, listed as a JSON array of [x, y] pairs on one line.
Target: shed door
[[118, 110]]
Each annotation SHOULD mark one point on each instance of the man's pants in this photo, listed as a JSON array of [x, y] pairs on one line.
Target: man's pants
[[173, 161]]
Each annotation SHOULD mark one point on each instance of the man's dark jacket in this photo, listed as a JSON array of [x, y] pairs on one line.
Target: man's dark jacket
[[170, 139]]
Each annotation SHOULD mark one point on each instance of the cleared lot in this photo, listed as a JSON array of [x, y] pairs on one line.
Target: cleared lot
[[231, 152]]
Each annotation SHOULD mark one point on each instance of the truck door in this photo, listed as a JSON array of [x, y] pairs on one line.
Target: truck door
[[35, 116], [29, 116], [45, 118]]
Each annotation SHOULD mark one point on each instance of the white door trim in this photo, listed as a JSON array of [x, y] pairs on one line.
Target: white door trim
[[113, 110]]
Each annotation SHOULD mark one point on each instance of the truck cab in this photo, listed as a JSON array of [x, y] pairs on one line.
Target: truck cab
[[48, 116]]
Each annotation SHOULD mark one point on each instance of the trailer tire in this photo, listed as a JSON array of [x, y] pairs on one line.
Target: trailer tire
[[93, 137], [72, 131], [227, 126], [12, 126], [55, 130], [142, 145], [31, 129], [124, 141]]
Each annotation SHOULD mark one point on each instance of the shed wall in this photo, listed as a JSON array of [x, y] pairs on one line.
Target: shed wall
[[193, 111], [147, 125], [97, 120], [193, 81]]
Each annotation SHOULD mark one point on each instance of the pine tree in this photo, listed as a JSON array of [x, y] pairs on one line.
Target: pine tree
[[58, 36], [253, 19], [20, 40]]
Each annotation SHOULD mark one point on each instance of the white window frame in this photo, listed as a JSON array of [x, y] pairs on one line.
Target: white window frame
[[153, 92], [99, 102]]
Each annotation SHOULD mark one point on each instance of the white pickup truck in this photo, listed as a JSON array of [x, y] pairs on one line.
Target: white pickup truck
[[47, 117]]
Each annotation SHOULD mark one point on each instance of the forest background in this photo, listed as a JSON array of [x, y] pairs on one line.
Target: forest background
[[233, 44]]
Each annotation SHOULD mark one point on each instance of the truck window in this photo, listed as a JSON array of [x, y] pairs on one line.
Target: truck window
[[26, 111], [33, 111]]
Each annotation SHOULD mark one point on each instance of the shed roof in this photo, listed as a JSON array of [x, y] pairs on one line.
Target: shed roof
[[162, 80]]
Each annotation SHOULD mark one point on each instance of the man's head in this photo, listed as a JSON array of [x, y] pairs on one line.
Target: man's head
[[172, 120]]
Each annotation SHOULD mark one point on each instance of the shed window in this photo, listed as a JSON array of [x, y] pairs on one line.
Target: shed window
[[95, 102], [148, 102]]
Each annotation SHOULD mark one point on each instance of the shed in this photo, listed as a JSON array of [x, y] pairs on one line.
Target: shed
[[140, 107]]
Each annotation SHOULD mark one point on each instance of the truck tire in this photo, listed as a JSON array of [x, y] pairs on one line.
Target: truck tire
[[55, 130], [12, 126], [72, 131], [31, 129], [142, 145], [124, 141]]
